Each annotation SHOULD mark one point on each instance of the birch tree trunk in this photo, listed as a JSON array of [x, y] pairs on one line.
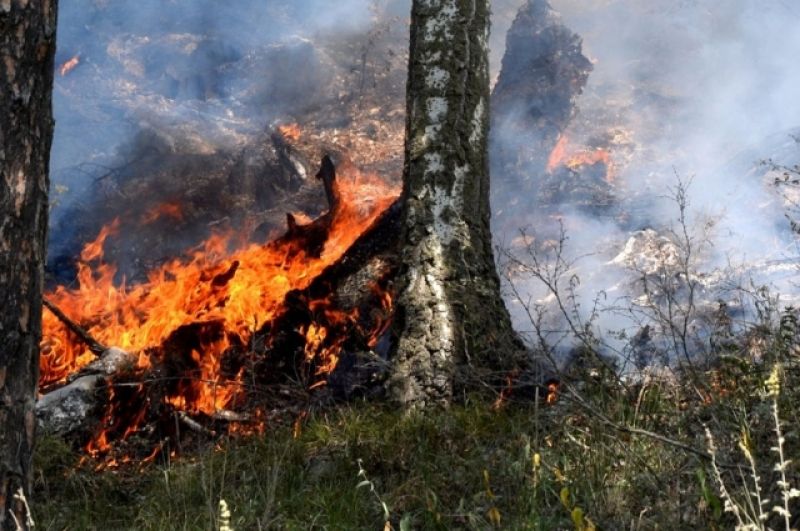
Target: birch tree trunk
[[27, 46], [449, 312]]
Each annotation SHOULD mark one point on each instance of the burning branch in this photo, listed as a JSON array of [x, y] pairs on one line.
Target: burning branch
[[312, 236], [95, 346], [327, 174]]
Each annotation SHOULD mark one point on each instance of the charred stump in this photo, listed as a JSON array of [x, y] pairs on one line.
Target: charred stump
[[543, 73]]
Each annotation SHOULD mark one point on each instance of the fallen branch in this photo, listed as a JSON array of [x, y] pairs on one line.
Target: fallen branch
[[193, 425], [638, 431], [226, 415], [95, 346]]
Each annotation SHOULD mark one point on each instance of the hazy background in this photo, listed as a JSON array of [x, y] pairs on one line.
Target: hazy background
[[698, 89]]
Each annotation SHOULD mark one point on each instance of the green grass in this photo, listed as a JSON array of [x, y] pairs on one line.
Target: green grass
[[450, 469]]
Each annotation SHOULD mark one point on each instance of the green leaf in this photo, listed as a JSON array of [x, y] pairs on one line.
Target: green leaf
[[577, 518], [564, 495], [712, 500]]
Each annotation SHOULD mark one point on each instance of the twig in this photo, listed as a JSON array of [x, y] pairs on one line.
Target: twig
[[94, 345], [193, 425], [638, 431], [227, 415]]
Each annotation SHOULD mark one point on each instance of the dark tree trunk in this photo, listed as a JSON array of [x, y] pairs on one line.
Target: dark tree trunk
[[27, 45], [449, 311], [544, 72]]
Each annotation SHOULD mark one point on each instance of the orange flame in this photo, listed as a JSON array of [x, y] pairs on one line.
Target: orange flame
[[226, 295], [171, 210], [574, 159], [69, 65], [290, 131], [553, 388], [558, 154]]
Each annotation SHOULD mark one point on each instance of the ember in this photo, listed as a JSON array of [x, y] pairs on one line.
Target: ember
[[170, 210], [553, 387], [290, 131], [186, 320], [69, 65], [575, 158]]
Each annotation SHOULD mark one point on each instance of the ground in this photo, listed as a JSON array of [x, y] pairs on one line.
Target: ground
[[512, 464]]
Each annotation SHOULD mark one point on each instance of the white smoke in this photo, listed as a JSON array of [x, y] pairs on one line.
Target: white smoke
[[705, 90]]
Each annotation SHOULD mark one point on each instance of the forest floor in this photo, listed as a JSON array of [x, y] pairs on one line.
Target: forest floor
[[482, 464]]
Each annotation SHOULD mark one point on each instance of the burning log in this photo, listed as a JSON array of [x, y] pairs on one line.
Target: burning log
[[75, 328], [71, 408]]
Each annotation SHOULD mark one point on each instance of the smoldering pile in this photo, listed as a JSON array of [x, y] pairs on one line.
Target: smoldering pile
[[594, 164]]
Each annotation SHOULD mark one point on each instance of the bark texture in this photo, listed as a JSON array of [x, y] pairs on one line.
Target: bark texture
[[27, 46], [449, 312]]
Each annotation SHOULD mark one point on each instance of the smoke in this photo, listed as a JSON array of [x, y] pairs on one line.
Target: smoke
[[709, 87], [207, 79], [698, 91], [183, 61], [695, 88]]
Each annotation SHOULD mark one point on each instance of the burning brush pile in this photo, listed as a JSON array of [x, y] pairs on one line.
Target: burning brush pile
[[194, 345], [201, 280]]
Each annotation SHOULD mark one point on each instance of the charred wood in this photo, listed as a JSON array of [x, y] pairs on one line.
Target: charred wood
[[543, 73], [94, 345], [72, 408], [327, 174]]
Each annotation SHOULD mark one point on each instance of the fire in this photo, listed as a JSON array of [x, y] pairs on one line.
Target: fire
[[577, 158], [553, 388], [558, 154], [69, 65], [506, 391], [221, 297], [171, 210], [290, 131]]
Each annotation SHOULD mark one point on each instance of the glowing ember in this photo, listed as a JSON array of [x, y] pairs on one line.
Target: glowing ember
[[69, 65], [575, 159], [222, 297], [290, 131], [558, 154], [171, 211], [553, 387]]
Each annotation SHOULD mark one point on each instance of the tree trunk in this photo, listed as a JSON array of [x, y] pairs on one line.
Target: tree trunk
[[449, 312], [27, 45]]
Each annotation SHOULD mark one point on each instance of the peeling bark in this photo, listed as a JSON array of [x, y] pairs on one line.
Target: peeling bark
[[27, 46], [449, 311]]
